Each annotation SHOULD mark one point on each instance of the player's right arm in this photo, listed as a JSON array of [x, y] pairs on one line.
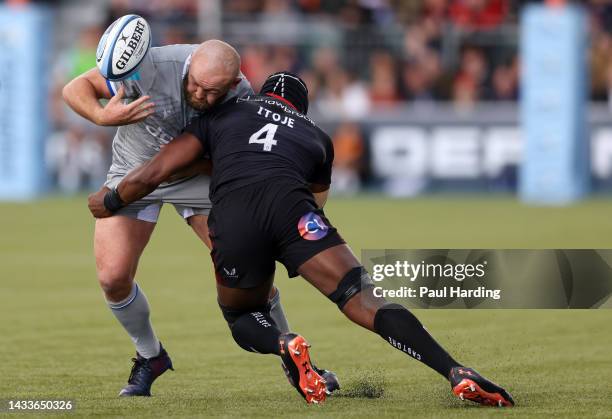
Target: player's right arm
[[83, 95], [140, 182]]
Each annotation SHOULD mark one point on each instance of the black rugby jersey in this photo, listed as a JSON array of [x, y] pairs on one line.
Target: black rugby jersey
[[259, 138]]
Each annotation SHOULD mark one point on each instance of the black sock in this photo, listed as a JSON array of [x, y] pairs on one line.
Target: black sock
[[257, 332], [395, 324]]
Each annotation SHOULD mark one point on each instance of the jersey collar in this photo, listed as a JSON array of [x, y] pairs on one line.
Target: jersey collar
[[282, 99]]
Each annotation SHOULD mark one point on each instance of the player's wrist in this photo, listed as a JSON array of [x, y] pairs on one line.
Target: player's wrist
[[98, 116], [112, 200]]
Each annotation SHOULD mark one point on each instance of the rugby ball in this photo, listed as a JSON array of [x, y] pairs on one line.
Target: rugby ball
[[123, 47]]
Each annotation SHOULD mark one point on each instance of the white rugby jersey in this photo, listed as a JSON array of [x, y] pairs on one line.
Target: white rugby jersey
[[159, 76]]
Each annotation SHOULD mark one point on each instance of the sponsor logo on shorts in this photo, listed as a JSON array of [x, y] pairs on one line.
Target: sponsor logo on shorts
[[312, 227]]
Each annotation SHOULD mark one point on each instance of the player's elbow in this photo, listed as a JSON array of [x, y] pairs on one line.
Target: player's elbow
[[66, 92]]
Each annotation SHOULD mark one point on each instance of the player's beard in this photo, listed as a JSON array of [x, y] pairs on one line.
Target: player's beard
[[198, 105]]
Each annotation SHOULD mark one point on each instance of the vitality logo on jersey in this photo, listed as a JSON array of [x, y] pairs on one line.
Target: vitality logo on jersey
[[312, 227]]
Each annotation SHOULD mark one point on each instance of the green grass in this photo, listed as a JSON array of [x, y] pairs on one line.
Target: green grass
[[59, 341]]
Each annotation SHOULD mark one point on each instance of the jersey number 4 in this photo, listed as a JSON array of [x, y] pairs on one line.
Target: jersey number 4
[[265, 136]]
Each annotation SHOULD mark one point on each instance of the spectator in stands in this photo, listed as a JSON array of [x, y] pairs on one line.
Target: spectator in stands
[[255, 64], [433, 19], [343, 96], [601, 13], [335, 91], [422, 78], [601, 45], [469, 84], [465, 93], [279, 17], [348, 158], [384, 89], [472, 15], [505, 82]]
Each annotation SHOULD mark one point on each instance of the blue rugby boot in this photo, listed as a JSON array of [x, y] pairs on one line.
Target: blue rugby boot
[[144, 372]]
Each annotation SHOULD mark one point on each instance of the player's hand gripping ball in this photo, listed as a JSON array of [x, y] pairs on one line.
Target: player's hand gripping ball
[[123, 47]]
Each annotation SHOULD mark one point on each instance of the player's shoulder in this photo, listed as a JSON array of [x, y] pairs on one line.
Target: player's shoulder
[[323, 138], [171, 53], [231, 105], [219, 111]]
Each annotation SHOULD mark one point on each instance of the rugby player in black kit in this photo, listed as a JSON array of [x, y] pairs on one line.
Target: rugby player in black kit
[[271, 170]]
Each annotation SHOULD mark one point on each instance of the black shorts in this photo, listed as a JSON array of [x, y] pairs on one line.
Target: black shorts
[[256, 225]]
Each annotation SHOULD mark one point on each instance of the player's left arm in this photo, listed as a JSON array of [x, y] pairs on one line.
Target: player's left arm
[[320, 193], [176, 156], [321, 180]]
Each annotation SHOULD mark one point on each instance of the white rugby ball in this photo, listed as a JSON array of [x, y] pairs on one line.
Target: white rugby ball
[[123, 47]]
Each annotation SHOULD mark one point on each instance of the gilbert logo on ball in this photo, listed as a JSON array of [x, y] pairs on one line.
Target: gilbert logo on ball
[[123, 46], [312, 227]]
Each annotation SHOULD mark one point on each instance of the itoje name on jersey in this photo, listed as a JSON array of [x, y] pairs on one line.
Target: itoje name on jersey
[[276, 117], [276, 103]]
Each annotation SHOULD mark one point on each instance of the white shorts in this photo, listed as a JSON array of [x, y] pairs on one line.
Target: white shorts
[[189, 197]]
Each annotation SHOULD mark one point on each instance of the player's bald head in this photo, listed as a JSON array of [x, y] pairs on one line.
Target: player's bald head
[[214, 70], [215, 59]]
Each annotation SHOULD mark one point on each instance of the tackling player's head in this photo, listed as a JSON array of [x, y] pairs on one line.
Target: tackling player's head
[[214, 70], [289, 88]]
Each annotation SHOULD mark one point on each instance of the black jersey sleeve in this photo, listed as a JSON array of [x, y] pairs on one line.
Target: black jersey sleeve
[[322, 174], [199, 127]]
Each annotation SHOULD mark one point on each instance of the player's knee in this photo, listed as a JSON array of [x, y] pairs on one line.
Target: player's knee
[[231, 315], [115, 283], [243, 330], [355, 281], [249, 327]]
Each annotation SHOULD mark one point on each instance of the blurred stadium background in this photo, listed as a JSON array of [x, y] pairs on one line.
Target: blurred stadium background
[[425, 100], [419, 96]]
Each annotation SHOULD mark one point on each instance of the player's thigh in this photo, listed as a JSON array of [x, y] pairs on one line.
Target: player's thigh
[[326, 269], [245, 298], [199, 224], [118, 243], [242, 254], [190, 200]]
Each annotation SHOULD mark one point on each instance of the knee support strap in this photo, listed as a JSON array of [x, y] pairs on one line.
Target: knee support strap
[[253, 330], [231, 314], [355, 281]]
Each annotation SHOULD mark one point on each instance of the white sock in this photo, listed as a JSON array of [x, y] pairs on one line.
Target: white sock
[[133, 314], [277, 314]]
